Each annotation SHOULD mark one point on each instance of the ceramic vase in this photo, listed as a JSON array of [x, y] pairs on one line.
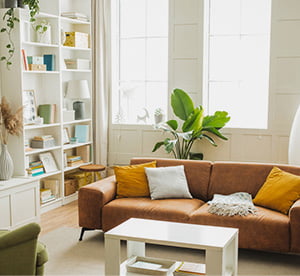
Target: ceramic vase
[[6, 164], [11, 3]]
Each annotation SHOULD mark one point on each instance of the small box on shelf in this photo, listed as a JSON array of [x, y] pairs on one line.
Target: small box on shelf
[[84, 152], [82, 178], [71, 186], [77, 39], [53, 185], [79, 64]]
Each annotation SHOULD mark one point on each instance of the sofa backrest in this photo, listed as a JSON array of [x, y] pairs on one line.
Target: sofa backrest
[[231, 177], [197, 173]]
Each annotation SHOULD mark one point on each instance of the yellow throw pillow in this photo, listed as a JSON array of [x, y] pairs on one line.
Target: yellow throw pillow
[[279, 192], [132, 180]]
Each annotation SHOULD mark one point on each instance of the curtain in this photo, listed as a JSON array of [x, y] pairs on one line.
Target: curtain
[[101, 78]]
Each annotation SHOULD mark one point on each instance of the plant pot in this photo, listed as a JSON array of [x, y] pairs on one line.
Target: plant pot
[[6, 164], [44, 37], [11, 3], [20, 4]]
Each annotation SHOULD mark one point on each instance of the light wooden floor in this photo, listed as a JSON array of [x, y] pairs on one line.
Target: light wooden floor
[[66, 215]]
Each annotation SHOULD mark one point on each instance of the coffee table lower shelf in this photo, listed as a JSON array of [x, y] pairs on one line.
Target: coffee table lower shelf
[[124, 272]]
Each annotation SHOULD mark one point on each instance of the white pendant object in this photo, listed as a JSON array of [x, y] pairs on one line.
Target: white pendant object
[[294, 143]]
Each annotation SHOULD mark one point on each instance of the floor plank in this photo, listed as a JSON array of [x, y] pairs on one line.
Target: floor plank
[[66, 215]]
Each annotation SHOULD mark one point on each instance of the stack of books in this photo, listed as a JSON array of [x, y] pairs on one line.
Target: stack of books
[[46, 195], [35, 168], [76, 15], [74, 160], [190, 269], [47, 112], [44, 141]]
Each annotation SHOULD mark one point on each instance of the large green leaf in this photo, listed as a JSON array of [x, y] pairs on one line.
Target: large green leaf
[[218, 120], [157, 146], [169, 145], [194, 121], [216, 132], [172, 124], [182, 104]]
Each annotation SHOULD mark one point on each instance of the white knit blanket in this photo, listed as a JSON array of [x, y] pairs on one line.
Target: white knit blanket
[[231, 205]]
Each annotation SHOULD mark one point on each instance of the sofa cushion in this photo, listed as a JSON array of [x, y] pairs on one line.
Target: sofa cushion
[[119, 210], [231, 177], [266, 230], [279, 192], [167, 182], [132, 180], [197, 173]]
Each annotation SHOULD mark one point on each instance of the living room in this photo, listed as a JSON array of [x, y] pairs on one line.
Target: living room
[[109, 74]]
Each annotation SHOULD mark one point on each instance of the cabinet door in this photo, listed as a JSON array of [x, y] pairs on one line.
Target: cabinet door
[[5, 212], [25, 206]]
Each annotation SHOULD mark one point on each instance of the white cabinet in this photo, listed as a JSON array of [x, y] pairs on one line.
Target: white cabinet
[[19, 202], [49, 87]]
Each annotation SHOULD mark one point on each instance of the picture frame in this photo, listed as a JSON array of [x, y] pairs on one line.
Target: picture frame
[[48, 162], [29, 110], [66, 136]]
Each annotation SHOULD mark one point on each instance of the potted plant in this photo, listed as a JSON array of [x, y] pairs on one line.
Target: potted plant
[[194, 127], [158, 115], [11, 19], [43, 32]]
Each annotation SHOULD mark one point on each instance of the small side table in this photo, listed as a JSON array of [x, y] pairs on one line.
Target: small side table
[[94, 169]]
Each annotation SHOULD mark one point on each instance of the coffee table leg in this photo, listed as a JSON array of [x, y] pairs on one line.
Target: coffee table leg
[[112, 257], [219, 262], [214, 260], [231, 256], [135, 248]]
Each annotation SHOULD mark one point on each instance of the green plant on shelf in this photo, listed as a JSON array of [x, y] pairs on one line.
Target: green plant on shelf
[[11, 20]]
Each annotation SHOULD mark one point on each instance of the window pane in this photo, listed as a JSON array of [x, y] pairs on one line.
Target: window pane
[[133, 59], [224, 17], [238, 63], [224, 57], [255, 16], [132, 18], [157, 59], [157, 25]]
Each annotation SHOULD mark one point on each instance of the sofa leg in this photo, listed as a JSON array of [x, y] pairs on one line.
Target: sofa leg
[[83, 229]]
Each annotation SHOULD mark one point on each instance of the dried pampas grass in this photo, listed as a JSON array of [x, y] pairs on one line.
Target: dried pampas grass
[[10, 123]]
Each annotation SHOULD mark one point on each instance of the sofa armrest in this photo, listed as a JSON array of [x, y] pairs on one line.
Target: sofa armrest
[[294, 215], [92, 198]]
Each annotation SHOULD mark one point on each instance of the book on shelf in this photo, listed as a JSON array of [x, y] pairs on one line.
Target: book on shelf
[[49, 60], [47, 199], [75, 163], [43, 137], [189, 269], [72, 158], [84, 152], [82, 133], [47, 112], [41, 144], [35, 163], [24, 58]]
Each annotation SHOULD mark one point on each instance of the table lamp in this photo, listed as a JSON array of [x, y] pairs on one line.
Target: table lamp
[[78, 90]]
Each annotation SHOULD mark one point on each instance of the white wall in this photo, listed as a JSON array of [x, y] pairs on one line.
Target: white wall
[[186, 48]]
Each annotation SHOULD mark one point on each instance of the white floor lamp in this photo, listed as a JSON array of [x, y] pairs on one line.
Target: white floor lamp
[[294, 143]]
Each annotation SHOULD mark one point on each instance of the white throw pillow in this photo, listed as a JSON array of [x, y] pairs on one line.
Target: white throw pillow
[[167, 182]]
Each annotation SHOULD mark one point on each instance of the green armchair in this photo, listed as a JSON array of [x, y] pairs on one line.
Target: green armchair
[[20, 251]]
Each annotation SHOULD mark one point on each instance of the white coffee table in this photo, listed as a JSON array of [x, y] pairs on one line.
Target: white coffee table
[[220, 243]]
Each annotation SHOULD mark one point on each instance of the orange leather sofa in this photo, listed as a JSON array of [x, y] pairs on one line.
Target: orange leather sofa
[[267, 230]]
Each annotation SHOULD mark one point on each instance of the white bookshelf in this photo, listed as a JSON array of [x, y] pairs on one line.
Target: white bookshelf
[[49, 87]]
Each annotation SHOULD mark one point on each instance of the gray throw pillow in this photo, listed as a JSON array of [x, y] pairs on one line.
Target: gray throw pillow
[[167, 182]]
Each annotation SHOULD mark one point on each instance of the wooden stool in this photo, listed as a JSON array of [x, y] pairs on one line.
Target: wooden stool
[[94, 169]]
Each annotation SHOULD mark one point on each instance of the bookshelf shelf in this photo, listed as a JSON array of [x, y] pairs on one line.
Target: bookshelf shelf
[[28, 127], [71, 146], [77, 122], [67, 169], [36, 44], [49, 88], [35, 151]]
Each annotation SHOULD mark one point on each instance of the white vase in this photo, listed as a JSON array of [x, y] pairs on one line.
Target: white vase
[[44, 37], [294, 142], [6, 164]]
